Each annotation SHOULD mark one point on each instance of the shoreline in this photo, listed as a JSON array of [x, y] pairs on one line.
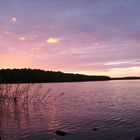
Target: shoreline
[[69, 81]]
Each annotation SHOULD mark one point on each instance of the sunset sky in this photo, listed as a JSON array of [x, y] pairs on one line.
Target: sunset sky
[[99, 37]]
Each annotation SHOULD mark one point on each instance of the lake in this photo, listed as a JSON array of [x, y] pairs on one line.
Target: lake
[[105, 110]]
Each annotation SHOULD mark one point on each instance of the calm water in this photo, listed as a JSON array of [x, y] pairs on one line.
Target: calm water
[[111, 106]]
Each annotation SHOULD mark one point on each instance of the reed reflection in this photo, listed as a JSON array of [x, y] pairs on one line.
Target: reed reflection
[[19, 104]]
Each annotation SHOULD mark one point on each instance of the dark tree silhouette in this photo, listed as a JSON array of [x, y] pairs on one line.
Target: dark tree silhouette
[[41, 76]]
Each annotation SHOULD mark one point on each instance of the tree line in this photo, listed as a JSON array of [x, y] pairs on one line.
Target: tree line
[[41, 76]]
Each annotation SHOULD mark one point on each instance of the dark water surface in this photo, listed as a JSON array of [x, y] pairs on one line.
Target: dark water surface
[[111, 107]]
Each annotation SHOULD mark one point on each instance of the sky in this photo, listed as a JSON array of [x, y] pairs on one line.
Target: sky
[[95, 37]]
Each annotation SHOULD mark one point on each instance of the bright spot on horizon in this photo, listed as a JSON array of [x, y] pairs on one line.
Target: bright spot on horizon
[[14, 19], [53, 40]]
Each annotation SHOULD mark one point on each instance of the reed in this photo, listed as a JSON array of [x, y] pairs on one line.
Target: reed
[[22, 93]]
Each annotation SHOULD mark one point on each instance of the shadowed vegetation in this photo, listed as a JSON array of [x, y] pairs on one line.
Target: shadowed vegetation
[[22, 93], [41, 76]]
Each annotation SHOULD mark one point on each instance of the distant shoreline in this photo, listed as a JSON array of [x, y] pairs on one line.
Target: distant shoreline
[[67, 81], [126, 78], [13, 76]]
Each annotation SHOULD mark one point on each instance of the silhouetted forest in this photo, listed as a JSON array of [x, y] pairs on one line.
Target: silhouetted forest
[[41, 76]]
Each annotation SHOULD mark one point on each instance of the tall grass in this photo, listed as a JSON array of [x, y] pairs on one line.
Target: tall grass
[[18, 102], [22, 93]]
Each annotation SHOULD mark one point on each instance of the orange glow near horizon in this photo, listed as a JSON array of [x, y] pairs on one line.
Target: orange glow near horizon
[[115, 72]]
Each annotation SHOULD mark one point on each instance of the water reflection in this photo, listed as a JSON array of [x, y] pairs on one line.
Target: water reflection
[[17, 110], [53, 123], [77, 108]]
